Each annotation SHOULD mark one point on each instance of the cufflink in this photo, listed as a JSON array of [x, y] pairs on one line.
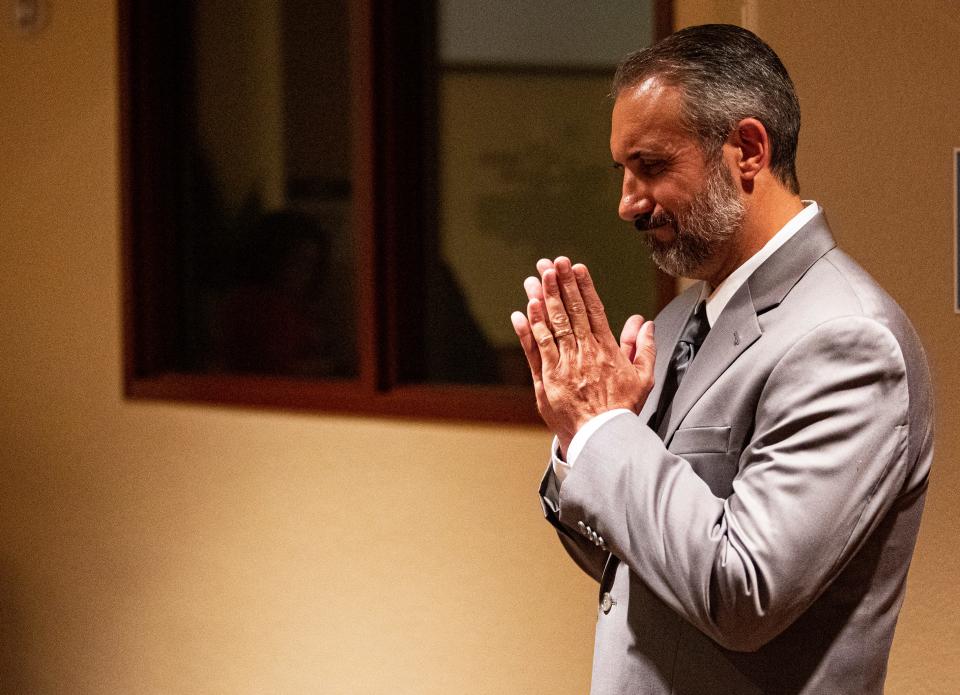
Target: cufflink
[[607, 602]]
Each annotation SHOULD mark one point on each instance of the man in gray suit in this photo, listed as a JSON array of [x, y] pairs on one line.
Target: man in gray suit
[[746, 483]]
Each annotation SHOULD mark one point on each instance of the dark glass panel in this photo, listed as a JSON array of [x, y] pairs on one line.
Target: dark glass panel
[[265, 253]]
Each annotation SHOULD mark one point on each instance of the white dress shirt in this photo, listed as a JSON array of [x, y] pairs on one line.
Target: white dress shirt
[[716, 299]]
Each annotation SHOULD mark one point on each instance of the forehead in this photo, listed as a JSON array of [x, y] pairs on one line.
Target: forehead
[[647, 116]]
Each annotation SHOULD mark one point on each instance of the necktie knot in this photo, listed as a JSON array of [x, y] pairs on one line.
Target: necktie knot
[[695, 332]]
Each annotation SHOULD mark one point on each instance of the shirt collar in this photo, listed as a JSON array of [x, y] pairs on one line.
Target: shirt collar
[[718, 298]]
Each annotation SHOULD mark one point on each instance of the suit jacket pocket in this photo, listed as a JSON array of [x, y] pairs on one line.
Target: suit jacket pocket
[[706, 449], [700, 440]]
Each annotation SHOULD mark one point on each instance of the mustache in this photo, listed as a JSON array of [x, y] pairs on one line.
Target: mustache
[[645, 223]]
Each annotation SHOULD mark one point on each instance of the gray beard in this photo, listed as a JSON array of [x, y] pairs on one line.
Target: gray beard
[[714, 215]]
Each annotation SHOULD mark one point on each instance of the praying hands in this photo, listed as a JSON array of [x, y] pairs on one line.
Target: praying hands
[[578, 369]]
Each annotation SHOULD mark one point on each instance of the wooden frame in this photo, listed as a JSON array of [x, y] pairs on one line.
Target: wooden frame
[[388, 241], [956, 230]]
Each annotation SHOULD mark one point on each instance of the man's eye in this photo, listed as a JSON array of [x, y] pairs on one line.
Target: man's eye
[[653, 166]]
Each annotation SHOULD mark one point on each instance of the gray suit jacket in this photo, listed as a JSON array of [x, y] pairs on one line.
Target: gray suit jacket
[[759, 543]]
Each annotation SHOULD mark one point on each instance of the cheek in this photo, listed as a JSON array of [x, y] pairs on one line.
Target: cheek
[[677, 193], [669, 200]]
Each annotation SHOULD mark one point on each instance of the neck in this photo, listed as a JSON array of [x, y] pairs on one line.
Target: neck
[[764, 215]]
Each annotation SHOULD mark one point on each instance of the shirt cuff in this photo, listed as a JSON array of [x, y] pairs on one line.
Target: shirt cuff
[[562, 468]]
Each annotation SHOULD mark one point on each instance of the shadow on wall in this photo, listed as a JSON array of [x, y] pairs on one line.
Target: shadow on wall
[[13, 671]]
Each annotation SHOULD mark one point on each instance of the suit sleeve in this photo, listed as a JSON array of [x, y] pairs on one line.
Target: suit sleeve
[[826, 460], [588, 556]]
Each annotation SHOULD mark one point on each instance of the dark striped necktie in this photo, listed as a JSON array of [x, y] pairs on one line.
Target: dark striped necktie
[[692, 337]]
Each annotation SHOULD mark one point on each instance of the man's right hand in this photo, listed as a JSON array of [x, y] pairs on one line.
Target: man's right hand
[[579, 371]]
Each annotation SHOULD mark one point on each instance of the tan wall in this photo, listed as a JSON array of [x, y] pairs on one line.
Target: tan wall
[[164, 549]]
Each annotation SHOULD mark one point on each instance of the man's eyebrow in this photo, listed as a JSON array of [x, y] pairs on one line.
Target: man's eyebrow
[[645, 153], [640, 153]]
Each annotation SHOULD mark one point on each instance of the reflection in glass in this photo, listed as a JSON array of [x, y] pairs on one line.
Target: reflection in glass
[[267, 254]]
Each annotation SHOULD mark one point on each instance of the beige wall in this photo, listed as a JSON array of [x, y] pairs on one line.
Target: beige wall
[[151, 548]]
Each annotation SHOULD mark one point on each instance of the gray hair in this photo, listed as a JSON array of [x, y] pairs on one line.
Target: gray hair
[[725, 74]]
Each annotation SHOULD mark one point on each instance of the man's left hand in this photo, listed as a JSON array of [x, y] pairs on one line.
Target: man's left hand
[[578, 369]]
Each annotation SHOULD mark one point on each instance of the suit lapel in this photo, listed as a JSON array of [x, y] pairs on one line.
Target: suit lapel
[[774, 279], [737, 327]]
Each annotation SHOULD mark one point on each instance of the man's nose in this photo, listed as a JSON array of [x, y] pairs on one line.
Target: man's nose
[[634, 199]]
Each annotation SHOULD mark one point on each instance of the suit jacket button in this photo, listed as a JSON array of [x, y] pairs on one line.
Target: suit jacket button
[[583, 529], [606, 602]]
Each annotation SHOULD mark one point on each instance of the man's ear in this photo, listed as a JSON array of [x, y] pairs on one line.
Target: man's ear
[[753, 146]]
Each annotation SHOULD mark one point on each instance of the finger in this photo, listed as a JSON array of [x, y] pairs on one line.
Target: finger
[[554, 308], [596, 314], [542, 336], [572, 301], [628, 336], [645, 354], [534, 288], [543, 265], [521, 326]]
